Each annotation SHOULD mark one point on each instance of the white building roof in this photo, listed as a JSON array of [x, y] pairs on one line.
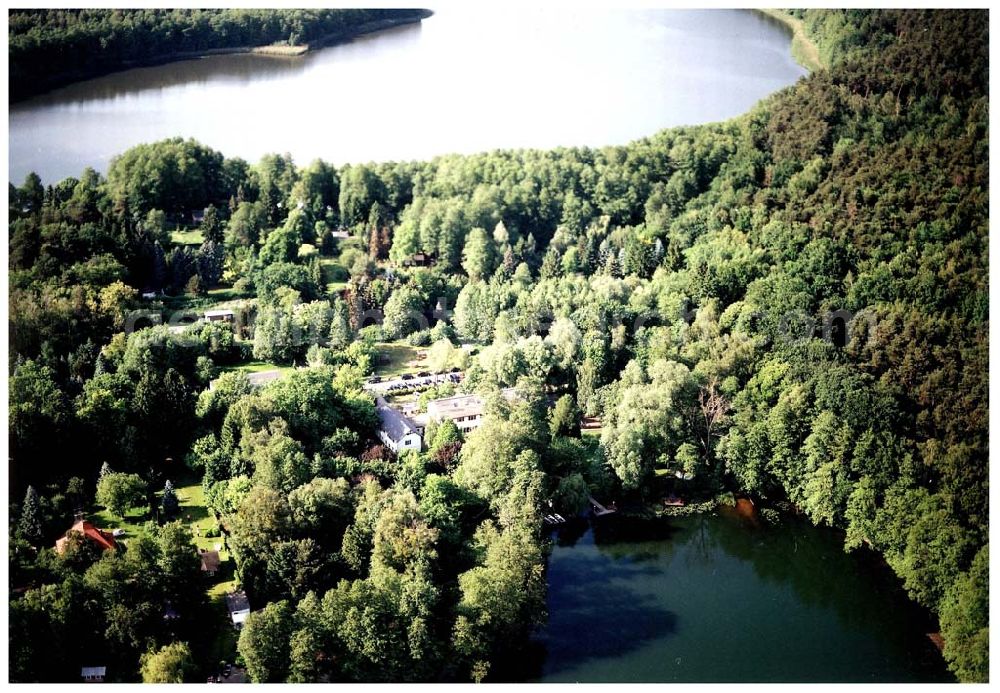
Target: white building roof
[[461, 406], [395, 425]]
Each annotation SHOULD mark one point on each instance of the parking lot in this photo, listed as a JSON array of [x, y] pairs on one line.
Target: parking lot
[[406, 383]]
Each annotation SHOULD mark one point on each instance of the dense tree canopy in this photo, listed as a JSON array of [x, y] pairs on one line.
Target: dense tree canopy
[[792, 304]]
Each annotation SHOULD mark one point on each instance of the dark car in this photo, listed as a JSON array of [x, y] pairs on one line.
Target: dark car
[[406, 376], [375, 379], [455, 369], [423, 374]]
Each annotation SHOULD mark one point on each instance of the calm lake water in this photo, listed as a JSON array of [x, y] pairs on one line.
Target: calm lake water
[[717, 598], [464, 80]]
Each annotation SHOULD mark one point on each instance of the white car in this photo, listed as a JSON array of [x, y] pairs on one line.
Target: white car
[[118, 533]]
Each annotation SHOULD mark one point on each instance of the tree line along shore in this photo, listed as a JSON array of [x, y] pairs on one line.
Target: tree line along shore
[[651, 287], [53, 48]]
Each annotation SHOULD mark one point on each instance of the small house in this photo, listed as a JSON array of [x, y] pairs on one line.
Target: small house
[[219, 316], [239, 608], [418, 260], [210, 562], [396, 430], [93, 674], [103, 540]]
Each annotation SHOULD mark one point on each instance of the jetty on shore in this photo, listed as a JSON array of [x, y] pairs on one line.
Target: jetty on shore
[[599, 509]]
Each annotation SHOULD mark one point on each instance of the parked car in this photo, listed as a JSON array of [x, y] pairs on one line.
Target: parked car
[[406, 376], [118, 533], [423, 374], [375, 379]]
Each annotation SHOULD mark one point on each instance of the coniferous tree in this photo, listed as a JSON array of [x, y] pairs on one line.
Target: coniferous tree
[[169, 502], [211, 258], [211, 225], [159, 267], [340, 326], [30, 524]]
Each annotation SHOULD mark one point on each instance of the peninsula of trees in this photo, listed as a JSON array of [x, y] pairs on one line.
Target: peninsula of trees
[[49, 47], [650, 285]]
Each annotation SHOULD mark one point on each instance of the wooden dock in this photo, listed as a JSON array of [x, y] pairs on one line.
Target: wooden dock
[[599, 509]]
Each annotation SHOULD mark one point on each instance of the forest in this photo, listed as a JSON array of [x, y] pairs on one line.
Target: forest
[[51, 47], [791, 305]]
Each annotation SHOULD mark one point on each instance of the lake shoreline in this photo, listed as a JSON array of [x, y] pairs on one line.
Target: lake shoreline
[[65, 79], [409, 139], [804, 49]]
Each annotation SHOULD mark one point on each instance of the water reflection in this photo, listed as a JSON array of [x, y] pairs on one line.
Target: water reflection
[[598, 616], [464, 80], [718, 598]]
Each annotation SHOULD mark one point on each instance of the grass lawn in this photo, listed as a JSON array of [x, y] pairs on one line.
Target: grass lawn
[[133, 524], [223, 645], [256, 367], [196, 515], [331, 269], [334, 274], [217, 298], [221, 295], [189, 237], [396, 358], [351, 242]]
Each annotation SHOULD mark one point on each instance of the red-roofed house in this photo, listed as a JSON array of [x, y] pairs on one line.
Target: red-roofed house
[[102, 539]]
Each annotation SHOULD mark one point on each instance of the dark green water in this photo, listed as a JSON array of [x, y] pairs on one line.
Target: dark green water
[[719, 598]]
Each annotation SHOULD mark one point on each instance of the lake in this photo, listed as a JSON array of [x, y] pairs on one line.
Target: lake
[[464, 80], [717, 597]]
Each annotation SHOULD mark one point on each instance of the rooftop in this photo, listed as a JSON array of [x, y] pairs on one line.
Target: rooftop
[[461, 405], [455, 407], [393, 422], [237, 602], [103, 539], [210, 561]]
